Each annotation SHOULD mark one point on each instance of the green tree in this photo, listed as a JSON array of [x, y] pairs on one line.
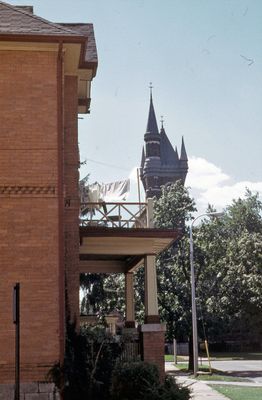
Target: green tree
[[229, 284], [172, 211], [227, 260], [99, 293]]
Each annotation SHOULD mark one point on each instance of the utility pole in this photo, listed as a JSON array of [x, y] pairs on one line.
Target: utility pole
[[193, 287]]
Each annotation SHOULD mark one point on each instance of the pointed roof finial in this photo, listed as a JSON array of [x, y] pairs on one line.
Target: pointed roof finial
[[151, 123], [150, 87], [162, 122]]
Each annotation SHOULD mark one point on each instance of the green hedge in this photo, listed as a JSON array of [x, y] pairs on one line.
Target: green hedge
[[140, 381]]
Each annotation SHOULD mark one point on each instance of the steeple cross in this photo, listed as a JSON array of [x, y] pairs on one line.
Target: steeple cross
[[150, 87]]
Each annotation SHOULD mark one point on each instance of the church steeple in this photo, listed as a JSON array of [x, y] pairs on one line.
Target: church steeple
[[160, 163], [152, 127], [152, 137]]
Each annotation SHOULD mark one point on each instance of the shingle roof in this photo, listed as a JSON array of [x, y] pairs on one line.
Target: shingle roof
[[29, 9], [167, 153], [86, 30], [18, 21]]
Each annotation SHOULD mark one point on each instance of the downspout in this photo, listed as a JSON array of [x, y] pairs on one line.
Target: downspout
[[60, 184]]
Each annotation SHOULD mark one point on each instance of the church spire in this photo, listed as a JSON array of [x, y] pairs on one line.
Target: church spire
[[160, 162], [183, 154], [152, 127]]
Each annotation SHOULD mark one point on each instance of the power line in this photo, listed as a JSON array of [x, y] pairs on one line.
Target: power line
[[107, 165]]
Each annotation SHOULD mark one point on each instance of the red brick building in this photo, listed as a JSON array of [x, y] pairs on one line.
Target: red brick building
[[46, 71]]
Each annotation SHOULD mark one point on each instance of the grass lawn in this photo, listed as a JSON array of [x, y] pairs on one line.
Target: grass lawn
[[239, 392], [218, 377], [220, 356]]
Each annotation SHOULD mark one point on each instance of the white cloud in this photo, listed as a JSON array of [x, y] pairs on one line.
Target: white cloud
[[210, 185], [203, 174]]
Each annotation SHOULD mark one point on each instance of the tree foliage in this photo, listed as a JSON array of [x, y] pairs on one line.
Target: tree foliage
[[102, 293], [228, 266]]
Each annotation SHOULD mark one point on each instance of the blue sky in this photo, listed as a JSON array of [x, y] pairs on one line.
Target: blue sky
[[196, 54]]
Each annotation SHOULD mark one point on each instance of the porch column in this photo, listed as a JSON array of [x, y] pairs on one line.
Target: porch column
[[129, 295], [151, 303]]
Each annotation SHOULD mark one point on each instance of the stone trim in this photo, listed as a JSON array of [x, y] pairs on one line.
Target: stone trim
[[30, 391], [38, 191], [153, 328]]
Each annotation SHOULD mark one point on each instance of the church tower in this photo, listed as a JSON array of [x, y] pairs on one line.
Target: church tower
[[160, 163]]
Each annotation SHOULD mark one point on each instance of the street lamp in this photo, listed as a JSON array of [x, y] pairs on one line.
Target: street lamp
[[193, 287]]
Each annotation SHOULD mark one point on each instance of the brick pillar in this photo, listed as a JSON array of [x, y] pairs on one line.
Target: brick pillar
[[153, 346], [152, 332]]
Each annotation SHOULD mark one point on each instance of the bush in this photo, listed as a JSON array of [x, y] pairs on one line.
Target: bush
[[89, 360], [170, 390], [140, 381], [91, 356], [133, 380]]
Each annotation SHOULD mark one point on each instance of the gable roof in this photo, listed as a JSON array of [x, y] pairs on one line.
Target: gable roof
[[19, 21]]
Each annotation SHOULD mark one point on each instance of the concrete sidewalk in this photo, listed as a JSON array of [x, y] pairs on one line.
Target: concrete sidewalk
[[201, 389]]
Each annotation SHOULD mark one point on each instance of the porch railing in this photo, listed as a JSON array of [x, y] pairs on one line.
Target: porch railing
[[117, 215], [131, 351]]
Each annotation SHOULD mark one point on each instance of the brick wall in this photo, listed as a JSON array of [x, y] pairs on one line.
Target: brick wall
[[71, 214], [29, 210]]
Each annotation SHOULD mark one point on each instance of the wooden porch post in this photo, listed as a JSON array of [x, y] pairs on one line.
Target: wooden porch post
[[151, 303], [129, 295]]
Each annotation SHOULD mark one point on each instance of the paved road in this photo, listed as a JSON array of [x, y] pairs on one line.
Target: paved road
[[251, 369]]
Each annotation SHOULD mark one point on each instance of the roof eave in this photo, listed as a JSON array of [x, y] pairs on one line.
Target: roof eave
[[27, 37]]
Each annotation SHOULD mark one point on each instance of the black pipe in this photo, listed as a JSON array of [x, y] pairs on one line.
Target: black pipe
[[16, 320]]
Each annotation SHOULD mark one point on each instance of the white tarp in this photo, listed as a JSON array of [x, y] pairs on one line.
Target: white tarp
[[104, 192], [115, 191]]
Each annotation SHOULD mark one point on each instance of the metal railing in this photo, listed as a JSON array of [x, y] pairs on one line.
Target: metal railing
[[114, 215]]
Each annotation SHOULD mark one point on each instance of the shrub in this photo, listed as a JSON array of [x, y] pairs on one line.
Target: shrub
[[170, 390], [89, 360], [133, 380], [140, 381]]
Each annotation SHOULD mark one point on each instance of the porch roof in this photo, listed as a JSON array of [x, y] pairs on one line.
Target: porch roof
[[104, 249]]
